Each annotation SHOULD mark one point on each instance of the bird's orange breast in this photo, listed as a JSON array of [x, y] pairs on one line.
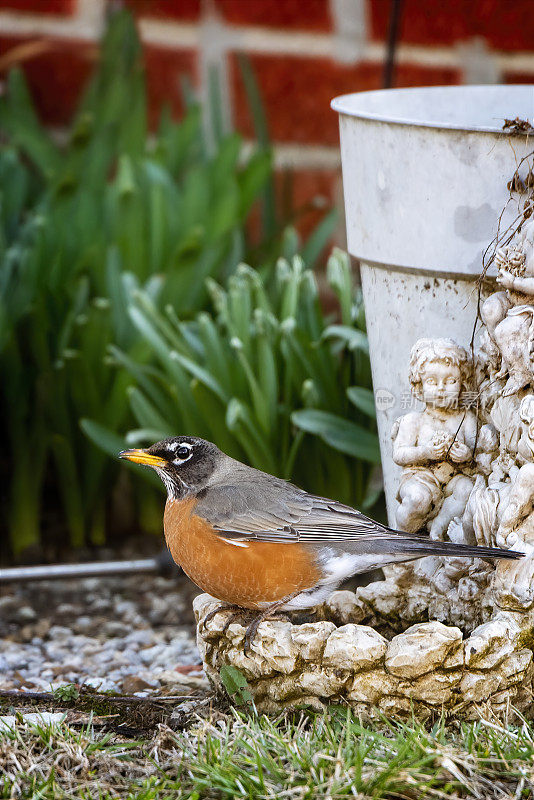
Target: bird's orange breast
[[249, 576]]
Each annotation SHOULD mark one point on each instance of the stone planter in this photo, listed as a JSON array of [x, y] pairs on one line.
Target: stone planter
[[337, 659], [425, 175], [425, 186]]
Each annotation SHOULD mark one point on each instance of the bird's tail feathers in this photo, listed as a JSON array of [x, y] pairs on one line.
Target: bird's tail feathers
[[400, 542]]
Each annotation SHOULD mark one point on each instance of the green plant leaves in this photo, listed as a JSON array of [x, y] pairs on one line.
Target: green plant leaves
[[19, 120], [354, 338], [110, 245], [339, 433], [319, 238], [236, 685], [363, 399], [112, 444], [338, 273], [238, 376], [108, 441]]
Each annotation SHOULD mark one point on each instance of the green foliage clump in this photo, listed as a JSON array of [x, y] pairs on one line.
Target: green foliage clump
[[113, 244], [236, 685], [84, 224], [264, 375]]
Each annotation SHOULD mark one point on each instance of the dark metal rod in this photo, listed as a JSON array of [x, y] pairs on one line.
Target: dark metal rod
[[393, 33], [94, 569]]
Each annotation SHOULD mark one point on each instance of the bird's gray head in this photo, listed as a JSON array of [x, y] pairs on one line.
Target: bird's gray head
[[184, 463]]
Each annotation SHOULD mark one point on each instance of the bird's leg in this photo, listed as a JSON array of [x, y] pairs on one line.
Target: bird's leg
[[223, 607], [267, 612], [233, 618]]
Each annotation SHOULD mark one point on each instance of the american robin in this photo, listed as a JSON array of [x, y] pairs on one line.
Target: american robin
[[255, 541]]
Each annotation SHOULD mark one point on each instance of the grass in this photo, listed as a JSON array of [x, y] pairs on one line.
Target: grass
[[329, 755]]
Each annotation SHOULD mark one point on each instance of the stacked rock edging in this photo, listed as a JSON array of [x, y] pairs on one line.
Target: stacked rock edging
[[423, 669]]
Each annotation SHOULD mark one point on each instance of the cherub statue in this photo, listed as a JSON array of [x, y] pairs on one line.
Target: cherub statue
[[513, 528], [488, 377], [439, 446], [509, 314], [514, 587]]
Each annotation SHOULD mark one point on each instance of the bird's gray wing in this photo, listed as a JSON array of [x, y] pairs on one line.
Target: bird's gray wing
[[275, 511]]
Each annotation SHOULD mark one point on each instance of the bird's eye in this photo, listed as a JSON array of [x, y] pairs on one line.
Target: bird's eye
[[183, 451]]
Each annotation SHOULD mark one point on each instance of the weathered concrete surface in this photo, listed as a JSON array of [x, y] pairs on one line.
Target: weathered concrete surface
[[426, 667]]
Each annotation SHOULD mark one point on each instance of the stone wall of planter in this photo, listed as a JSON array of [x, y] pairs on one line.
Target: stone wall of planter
[[427, 667]]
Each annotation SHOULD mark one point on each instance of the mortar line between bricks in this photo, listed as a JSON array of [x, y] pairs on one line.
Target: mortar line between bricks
[[80, 26], [305, 156], [254, 39]]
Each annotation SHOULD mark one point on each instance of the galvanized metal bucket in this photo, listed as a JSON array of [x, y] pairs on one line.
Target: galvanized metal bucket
[[425, 174]]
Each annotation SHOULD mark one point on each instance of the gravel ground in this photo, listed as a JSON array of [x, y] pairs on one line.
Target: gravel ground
[[133, 635]]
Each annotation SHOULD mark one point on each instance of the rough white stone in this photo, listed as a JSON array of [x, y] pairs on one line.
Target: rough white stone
[[266, 705], [492, 642], [370, 687], [282, 687], [385, 598], [344, 607], [274, 644], [479, 686], [419, 669], [455, 659], [515, 666], [421, 648], [252, 665], [475, 687], [203, 604], [395, 705], [323, 682], [434, 688], [354, 647], [313, 663], [311, 637]]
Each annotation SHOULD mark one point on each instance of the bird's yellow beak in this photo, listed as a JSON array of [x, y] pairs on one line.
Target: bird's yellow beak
[[142, 457]]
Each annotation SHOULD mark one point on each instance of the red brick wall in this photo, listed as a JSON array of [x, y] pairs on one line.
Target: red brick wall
[[304, 52]]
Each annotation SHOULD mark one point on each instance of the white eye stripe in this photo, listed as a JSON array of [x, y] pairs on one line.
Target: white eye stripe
[[176, 446], [181, 460]]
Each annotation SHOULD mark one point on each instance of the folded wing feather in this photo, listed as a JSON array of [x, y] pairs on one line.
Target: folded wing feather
[[276, 511], [280, 512]]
